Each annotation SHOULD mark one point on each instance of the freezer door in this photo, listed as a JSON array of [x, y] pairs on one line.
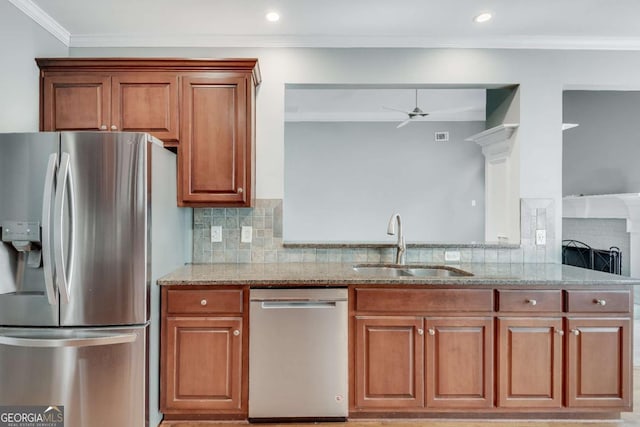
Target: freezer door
[[28, 162], [100, 232], [97, 375]]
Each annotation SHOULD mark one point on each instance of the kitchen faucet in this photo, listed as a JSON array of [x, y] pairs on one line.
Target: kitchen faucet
[[401, 245]]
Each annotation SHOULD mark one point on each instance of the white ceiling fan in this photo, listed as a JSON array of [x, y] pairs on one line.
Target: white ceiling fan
[[417, 112]]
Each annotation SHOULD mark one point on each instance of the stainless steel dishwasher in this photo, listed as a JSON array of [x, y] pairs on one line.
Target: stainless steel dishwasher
[[298, 353]]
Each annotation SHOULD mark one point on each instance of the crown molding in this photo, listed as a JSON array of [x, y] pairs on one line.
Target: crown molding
[[211, 40], [43, 19], [33, 11], [494, 135]]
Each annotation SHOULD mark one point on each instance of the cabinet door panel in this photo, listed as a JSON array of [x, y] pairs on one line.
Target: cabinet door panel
[[76, 102], [203, 364], [599, 363], [215, 145], [459, 360], [146, 102], [389, 362], [530, 362]]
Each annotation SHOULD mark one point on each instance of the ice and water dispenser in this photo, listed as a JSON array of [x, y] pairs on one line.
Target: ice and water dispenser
[[20, 249]]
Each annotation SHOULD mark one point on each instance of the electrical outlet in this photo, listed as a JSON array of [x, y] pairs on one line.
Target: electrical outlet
[[452, 256], [246, 234], [541, 237], [216, 233]]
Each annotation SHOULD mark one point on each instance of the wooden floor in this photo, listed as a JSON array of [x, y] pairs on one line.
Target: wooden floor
[[628, 420]]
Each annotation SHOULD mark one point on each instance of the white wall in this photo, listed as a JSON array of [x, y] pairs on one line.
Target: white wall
[[542, 75], [344, 180], [22, 40], [602, 155]]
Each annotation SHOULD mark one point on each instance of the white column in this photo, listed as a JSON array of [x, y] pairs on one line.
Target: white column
[[501, 182]]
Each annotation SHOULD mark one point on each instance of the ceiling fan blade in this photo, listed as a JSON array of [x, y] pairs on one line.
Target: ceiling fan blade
[[403, 123], [395, 109]]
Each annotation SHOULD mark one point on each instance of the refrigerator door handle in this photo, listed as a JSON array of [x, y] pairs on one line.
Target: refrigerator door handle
[[63, 276], [47, 264], [67, 342]]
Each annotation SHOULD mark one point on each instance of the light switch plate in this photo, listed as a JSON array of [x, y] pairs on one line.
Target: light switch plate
[[246, 234], [216, 233], [541, 237]]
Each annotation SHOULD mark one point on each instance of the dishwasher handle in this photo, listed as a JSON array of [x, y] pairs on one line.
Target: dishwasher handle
[[297, 304]]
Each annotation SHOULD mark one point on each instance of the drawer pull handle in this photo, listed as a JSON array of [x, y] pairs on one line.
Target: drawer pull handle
[[103, 127], [114, 127], [575, 332], [560, 332], [600, 302], [420, 331], [432, 331], [532, 302], [203, 302], [236, 333]]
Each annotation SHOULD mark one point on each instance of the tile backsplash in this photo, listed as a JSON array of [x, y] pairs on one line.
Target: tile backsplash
[[267, 246]]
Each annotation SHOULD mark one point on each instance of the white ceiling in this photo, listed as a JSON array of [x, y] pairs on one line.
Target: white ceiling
[[374, 104], [564, 24]]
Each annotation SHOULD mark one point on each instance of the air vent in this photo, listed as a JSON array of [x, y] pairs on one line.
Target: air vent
[[442, 136]]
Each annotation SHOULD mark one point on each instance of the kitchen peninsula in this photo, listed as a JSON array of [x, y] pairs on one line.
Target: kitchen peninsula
[[515, 340]]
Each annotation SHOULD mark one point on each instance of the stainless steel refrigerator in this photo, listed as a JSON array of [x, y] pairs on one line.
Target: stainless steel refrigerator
[[89, 222]]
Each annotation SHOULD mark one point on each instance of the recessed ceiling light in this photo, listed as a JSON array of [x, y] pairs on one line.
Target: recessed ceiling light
[[483, 17], [272, 16]]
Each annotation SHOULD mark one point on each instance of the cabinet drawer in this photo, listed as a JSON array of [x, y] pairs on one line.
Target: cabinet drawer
[[529, 301], [204, 301], [599, 301], [418, 300]]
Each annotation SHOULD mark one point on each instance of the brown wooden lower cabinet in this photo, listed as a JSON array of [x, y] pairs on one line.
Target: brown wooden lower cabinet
[[204, 355], [599, 363], [530, 362], [397, 361], [203, 352], [459, 362], [389, 362], [543, 359]]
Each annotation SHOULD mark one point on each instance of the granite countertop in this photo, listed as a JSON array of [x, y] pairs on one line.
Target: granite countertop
[[323, 274], [382, 245]]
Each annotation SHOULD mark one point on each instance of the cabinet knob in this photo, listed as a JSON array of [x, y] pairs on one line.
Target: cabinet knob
[[575, 332], [560, 332], [236, 333], [114, 127], [420, 331], [432, 331], [240, 190], [203, 302], [532, 302], [103, 127], [600, 302]]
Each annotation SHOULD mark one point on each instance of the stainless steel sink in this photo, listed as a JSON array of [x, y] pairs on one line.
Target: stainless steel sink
[[382, 271], [396, 270]]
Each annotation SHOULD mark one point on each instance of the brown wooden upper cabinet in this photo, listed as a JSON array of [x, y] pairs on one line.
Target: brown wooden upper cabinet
[[216, 153], [205, 107], [128, 101]]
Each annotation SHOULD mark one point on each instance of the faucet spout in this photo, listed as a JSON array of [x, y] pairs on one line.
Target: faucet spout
[[401, 246]]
